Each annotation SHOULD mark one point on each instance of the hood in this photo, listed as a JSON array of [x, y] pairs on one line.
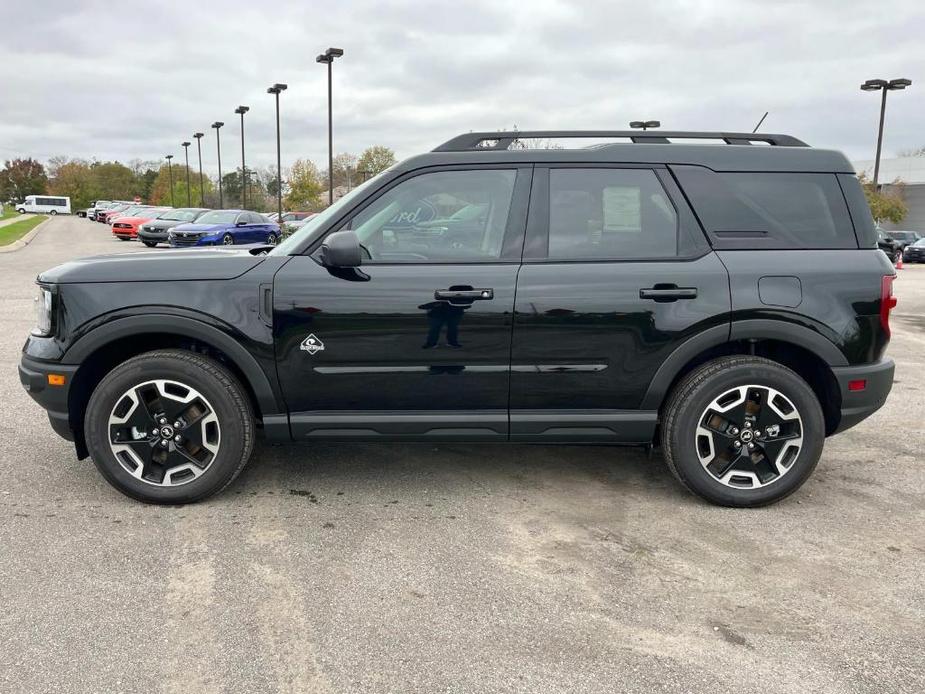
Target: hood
[[201, 228], [163, 224], [132, 220], [158, 266]]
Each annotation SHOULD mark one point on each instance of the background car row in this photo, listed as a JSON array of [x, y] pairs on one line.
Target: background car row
[[181, 227]]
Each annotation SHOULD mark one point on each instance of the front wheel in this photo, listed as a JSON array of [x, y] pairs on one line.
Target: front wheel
[[228, 240], [150, 244], [169, 427], [743, 431], [53, 213]]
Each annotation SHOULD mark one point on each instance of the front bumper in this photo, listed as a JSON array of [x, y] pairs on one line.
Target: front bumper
[[858, 405], [153, 236], [33, 374], [190, 241]]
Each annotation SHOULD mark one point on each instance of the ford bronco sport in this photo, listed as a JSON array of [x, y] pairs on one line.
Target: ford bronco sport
[[725, 299]]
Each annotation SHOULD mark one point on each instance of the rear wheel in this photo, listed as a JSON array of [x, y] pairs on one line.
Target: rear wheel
[[743, 431], [169, 427], [272, 239]]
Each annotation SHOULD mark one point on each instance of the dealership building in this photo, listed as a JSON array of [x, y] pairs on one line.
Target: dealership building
[[911, 172]]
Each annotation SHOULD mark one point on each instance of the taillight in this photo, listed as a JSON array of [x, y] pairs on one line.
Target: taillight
[[887, 301]]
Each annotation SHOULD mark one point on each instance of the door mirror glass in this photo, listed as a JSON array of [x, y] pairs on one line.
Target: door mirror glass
[[341, 249]]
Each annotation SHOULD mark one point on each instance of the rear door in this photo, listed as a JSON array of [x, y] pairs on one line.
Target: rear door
[[616, 275], [416, 342]]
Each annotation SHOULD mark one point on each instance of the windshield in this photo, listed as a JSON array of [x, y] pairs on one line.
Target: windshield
[[920, 243], [218, 217], [310, 229], [180, 215], [902, 235]]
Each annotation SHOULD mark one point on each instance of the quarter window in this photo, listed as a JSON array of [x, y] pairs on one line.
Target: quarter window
[[610, 214], [446, 216]]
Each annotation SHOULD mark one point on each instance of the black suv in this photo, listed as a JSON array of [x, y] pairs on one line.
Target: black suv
[[726, 301]]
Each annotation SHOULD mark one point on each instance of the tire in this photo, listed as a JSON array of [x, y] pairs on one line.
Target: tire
[[227, 240], [224, 427], [54, 213], [272, 239], [698, 454], [21, 210], [150, 244], [123, 238]]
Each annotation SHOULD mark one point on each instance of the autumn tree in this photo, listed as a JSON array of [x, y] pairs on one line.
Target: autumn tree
[[885, 206], [374, 160], [161, 189], [22, 177], [305, 186], [73, 178]]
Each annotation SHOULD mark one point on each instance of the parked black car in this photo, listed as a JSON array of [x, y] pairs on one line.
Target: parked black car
[[889, 246], [155, 232], [726, 301], [915, 252], [904, 238]]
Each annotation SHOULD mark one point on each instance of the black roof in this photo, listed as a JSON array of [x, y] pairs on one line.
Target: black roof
[[730, 152]]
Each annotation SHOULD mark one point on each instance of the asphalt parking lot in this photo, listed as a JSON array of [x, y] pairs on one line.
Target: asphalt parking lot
[[415, 568]]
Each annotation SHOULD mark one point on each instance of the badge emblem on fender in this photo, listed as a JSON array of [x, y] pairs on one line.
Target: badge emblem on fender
[[312, 345]]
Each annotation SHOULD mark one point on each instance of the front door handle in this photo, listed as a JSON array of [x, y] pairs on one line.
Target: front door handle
[[664, 293], [464, 294]]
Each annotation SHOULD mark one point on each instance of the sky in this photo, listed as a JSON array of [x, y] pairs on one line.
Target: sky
[[131, 80]]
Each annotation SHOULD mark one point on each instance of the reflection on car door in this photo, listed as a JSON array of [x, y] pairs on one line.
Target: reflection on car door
[[616, 275], [416, 342]]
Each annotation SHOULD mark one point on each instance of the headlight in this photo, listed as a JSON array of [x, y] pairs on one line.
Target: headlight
[[44, 303]]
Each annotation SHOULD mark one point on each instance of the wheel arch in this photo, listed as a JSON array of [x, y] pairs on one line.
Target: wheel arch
[[800, 349], [108, 345]]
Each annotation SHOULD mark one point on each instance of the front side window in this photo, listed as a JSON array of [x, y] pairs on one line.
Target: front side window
[[607, 214], [445, 216]]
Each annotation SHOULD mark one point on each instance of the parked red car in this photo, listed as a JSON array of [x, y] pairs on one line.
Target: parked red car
[[126, 228]]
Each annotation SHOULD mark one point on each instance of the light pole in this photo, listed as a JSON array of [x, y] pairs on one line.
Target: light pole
[[328, 58], [645, 124], [275, 90], [202, 187], [218, 145], [242, 110], [168, 157], [189, 194], [884, 86]]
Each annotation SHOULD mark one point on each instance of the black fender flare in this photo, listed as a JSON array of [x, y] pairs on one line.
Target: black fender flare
[[783, 331], [187, 327]]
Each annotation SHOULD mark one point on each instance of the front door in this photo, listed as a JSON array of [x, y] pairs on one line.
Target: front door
[[416, 342], [616, 276]]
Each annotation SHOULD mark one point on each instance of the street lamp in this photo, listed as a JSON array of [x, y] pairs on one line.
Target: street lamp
[[328, 57], [275, 90], [242, 110], [202, 187], [884, 86], [189, 195], [218, 144], [168, 157], [645, 124]]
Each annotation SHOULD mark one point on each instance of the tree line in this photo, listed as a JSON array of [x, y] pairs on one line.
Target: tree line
[[305, 186]]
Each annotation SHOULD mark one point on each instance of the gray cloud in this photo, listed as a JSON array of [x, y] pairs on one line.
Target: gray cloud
[[89, 81]]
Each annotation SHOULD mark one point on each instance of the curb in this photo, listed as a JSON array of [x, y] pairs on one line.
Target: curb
[[25, 240]]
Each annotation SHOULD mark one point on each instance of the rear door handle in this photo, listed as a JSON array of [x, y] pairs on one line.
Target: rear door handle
[[666, 293], [464, 294]]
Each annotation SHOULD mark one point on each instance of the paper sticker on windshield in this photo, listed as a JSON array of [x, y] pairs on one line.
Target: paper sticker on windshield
[[312, 345]]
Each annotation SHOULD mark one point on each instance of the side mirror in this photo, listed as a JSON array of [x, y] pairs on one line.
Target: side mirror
[[341, 249], [240, 224]]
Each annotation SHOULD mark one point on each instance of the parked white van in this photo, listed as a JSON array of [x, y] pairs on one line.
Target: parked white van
[[45, 204]]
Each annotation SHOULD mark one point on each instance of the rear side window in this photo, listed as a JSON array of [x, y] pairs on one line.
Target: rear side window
[[609, 214], [769, 210], [864, 226]]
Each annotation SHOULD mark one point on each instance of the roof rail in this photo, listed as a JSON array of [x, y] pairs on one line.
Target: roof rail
[[502, 140]]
